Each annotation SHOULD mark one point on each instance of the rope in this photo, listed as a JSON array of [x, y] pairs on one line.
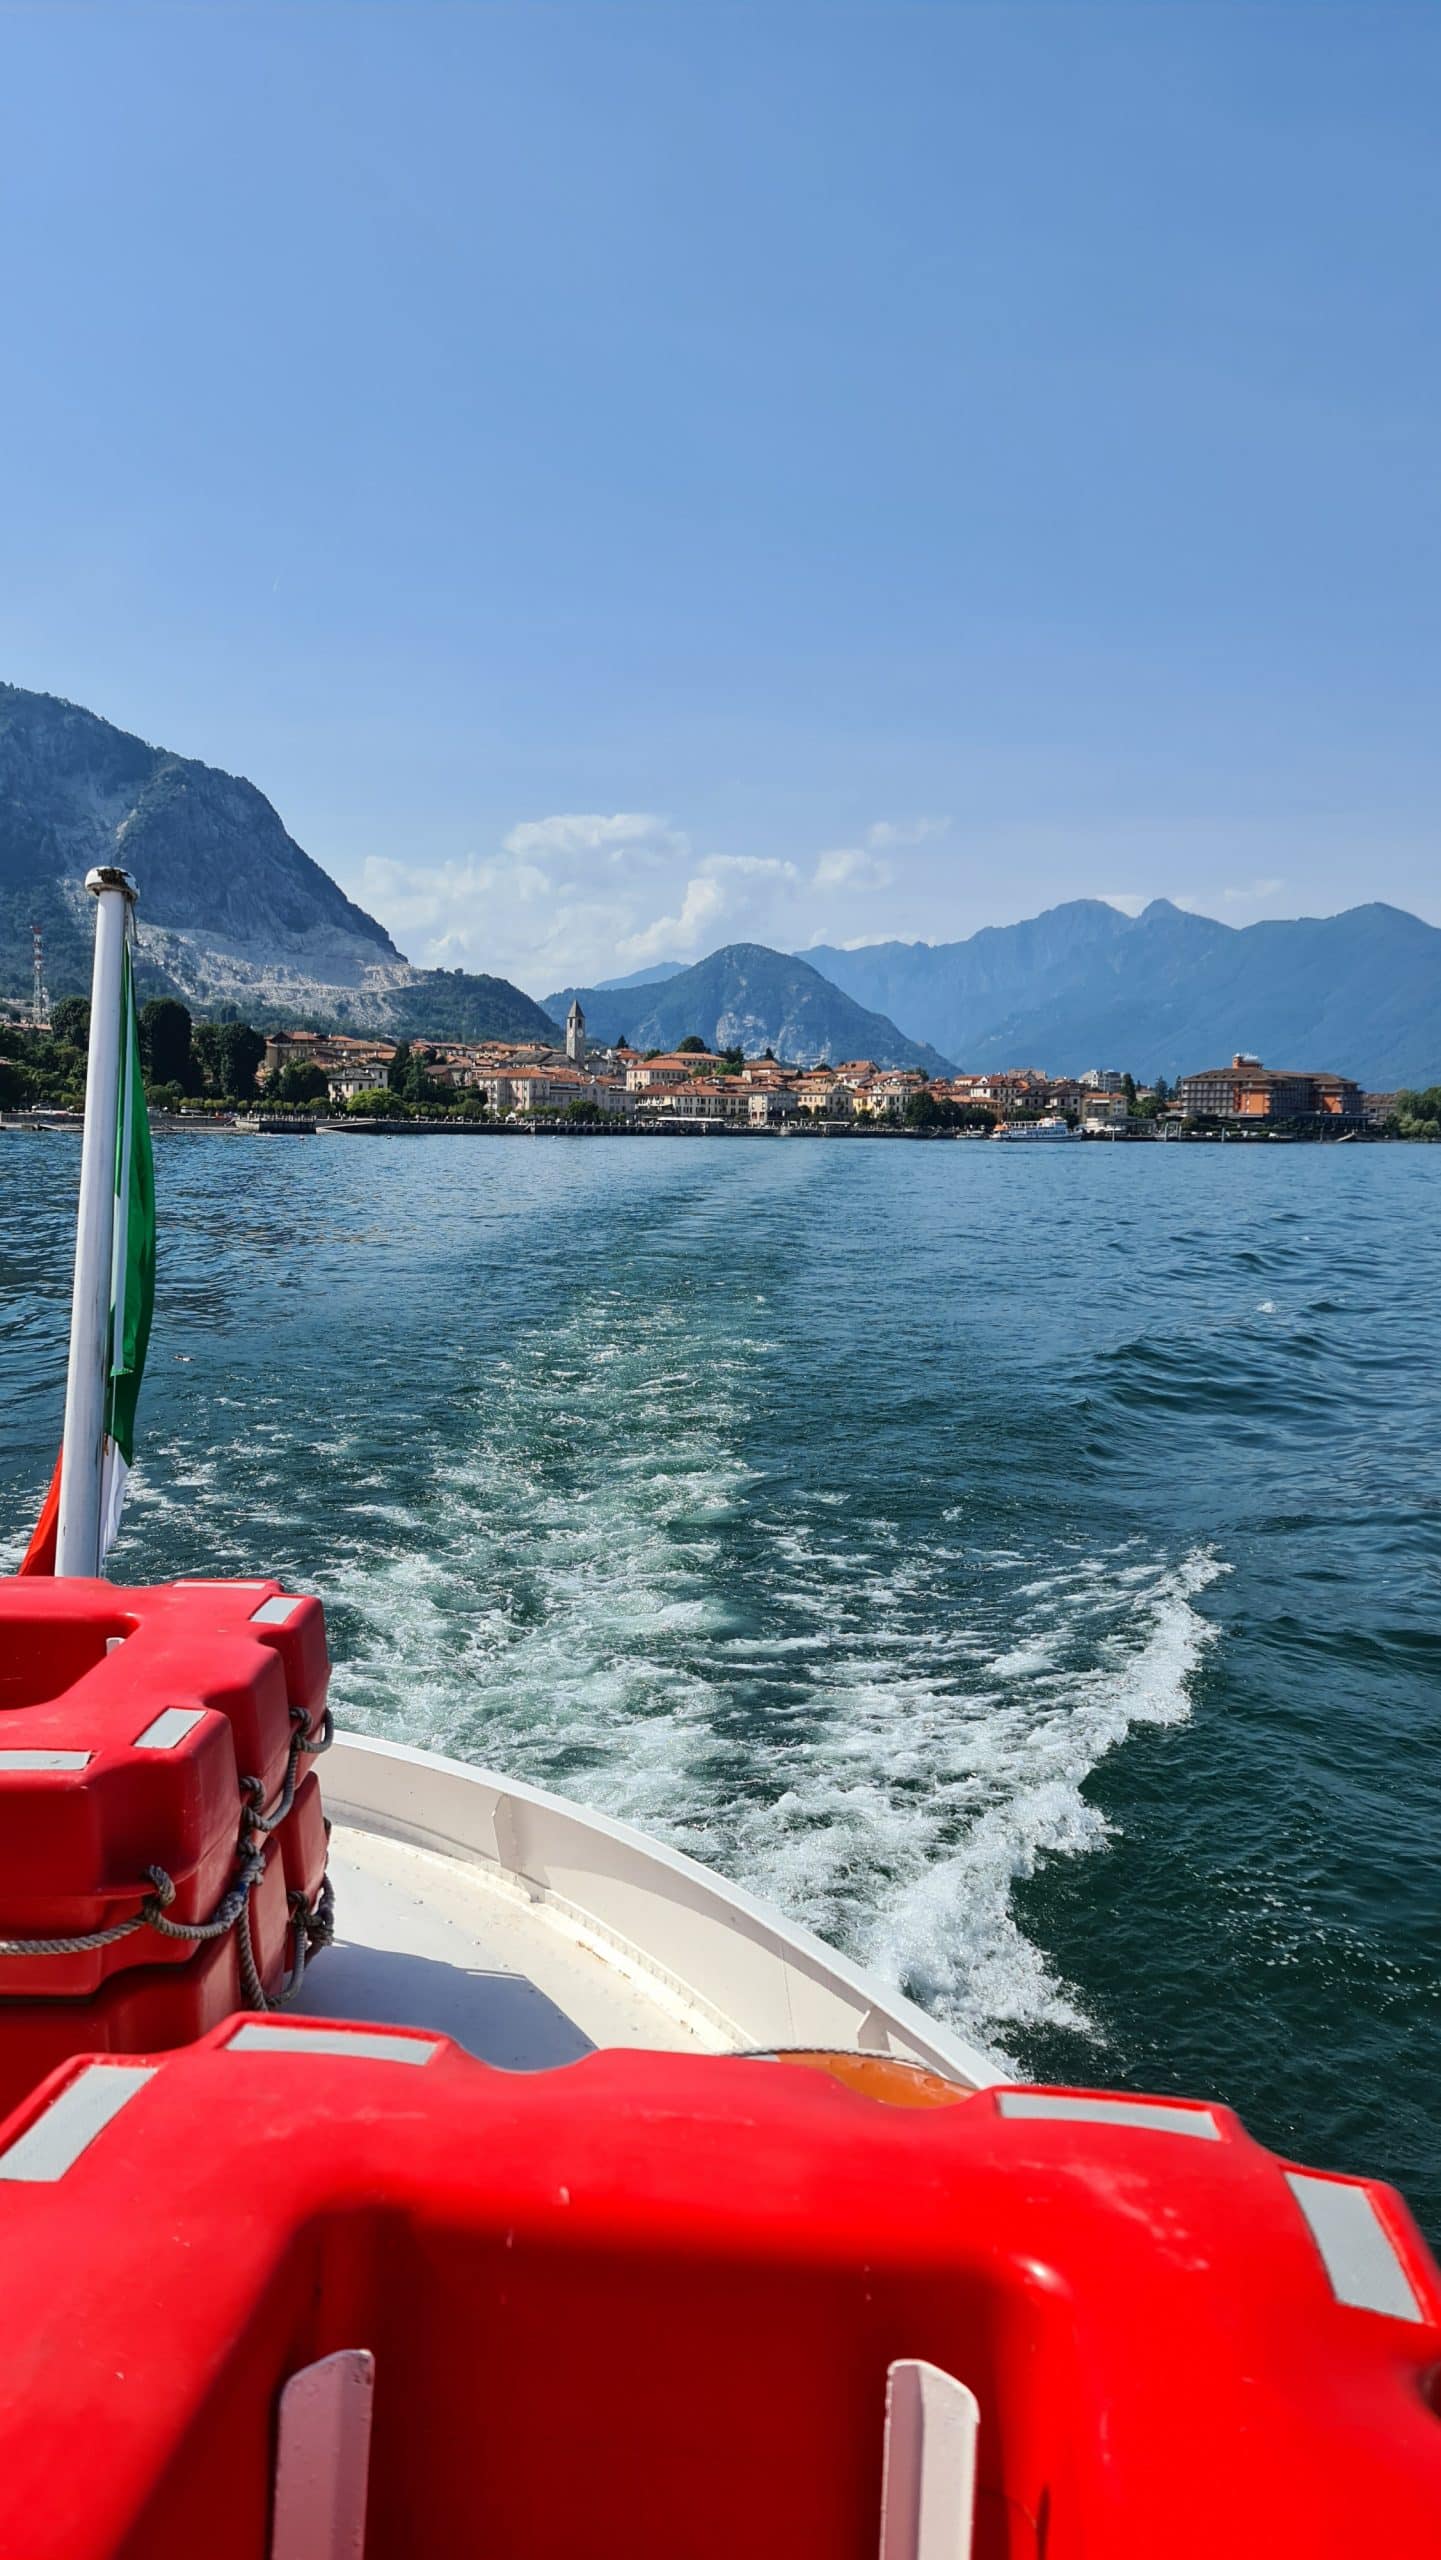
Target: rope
[[317, 1929], [147, 1917], [252, 1787], [251, 1985]]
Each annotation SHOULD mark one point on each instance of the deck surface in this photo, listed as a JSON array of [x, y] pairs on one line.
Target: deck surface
[[430, 1941]]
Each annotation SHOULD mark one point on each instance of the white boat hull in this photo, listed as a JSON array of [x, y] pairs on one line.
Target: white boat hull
[[532, 1931]]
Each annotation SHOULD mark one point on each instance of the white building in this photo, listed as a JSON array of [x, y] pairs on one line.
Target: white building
[[526, 1089], [1105, 1109], [771, 1106], [699, 1098]]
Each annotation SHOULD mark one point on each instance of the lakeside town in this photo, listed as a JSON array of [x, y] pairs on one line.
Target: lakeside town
[[699, 1087], [228, 1074]]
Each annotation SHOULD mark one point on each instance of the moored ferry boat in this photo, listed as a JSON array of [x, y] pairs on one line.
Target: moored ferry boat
[[1052, 1126], [397, 2158]]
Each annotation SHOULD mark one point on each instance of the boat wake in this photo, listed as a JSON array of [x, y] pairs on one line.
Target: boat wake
[[859, 1712], [643, 1539]]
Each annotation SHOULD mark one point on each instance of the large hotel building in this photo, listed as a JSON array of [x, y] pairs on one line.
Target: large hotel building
[[1248, 1091]]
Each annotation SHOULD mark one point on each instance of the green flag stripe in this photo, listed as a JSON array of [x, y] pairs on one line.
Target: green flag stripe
[[133, 1291]]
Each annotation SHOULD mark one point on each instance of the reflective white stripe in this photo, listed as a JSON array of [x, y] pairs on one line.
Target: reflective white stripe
[[216, 1582], [322, 2459], [276, 1612], [170, 1726], [928, 2485], [363, 2046], [50, 2146], [1140, 2113], [43, 1760], [1359, 2254]]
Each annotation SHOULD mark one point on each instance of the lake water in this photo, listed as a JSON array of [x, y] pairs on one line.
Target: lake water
[[1021, 1564]]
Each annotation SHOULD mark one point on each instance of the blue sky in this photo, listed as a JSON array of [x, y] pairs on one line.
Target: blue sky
[[624, 478]]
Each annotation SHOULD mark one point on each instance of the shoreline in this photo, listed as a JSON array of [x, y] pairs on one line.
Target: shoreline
[[302, 1125]]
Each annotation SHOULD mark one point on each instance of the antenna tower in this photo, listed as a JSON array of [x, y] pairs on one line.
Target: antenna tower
[[40, 1001]]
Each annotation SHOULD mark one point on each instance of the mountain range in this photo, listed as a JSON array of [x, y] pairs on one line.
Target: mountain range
[[234, 916], [1167, 992], [749, 997], [237, 918]]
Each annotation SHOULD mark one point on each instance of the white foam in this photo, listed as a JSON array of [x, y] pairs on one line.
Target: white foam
[[877, 1724], [885, 1768]]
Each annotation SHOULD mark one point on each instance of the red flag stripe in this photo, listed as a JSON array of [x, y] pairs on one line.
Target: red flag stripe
[[40, 1554]]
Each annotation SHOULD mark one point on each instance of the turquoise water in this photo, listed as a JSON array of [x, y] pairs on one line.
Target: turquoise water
[[1020, 1564]]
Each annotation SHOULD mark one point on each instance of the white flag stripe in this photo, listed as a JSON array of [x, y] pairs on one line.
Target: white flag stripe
[[114, 1477], [120, 1245]]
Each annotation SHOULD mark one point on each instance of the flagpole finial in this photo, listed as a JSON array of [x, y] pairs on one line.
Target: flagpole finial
[[108, 875]]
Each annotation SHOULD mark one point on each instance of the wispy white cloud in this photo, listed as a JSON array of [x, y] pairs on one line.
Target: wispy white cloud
[[589, 831], [577, 894], [851, 867], [1253, 892], [863, 866], [748, 866], [585, 894], [903, 831], [719, 892], [698, 916]]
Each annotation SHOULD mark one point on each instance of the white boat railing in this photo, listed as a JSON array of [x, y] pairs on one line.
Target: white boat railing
[[756, 1980]]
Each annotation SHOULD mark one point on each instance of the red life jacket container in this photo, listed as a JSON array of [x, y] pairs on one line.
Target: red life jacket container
[[161, 1836], [309, 2288]]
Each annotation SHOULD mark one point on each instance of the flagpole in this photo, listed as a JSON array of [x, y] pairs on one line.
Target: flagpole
[[78, 1540]]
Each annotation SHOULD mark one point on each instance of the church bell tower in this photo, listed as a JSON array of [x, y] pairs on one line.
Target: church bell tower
[[575, 1035]]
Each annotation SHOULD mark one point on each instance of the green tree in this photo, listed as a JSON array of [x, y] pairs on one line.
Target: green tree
[[734, 1058], [937, 1111], [299, 1081], [165, 1029], [240, 1052], [205, 1055], [377, 1102], [1128, 1088], [35, 1068], [1418, 1115], [692, 1046], [70, 1021], [407, 1076]]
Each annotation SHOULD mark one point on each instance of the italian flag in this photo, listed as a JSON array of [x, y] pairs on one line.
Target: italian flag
[[132, 1296]]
